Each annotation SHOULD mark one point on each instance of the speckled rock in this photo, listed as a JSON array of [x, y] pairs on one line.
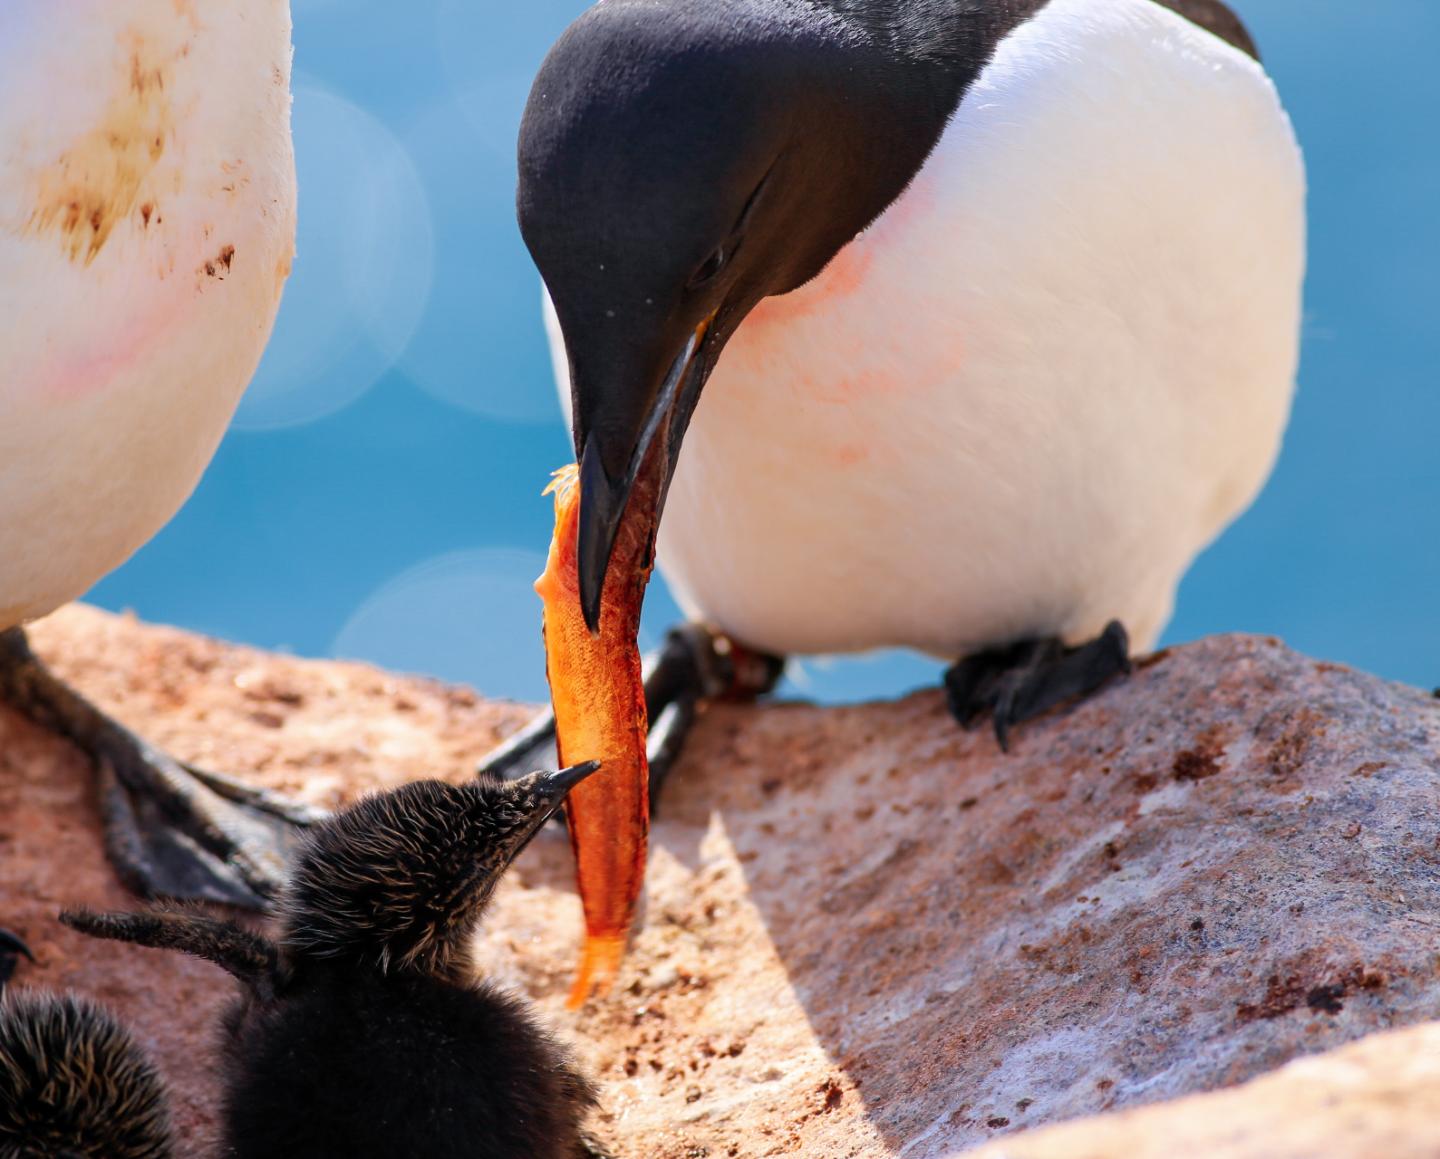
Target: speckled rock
[[868, 933], [1376, 1098]]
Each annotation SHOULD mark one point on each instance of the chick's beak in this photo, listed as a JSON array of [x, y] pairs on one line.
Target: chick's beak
[[618, 444], [560, 783], [543, 793], [538, 797]]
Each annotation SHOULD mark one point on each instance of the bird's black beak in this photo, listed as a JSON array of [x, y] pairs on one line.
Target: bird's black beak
[[614, 451], [541, 794]]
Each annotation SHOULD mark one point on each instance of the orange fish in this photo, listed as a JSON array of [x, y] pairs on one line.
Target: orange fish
[[599, 702]]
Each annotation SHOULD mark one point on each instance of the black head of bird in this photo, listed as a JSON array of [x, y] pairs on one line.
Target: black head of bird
[[74, 1083], [359, 1032], [681, 162], [399, 880]]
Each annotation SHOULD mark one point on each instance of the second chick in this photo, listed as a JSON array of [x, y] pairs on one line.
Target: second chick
[[361, 1030]]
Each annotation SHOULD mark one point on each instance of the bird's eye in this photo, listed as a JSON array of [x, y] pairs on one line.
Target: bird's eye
[[707, 269]]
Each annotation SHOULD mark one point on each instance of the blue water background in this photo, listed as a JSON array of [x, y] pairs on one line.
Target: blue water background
[[379, 496]]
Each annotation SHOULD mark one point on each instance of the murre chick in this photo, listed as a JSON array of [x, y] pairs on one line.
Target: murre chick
[[361, 1029], [73, 1080], [956, 325], [147, 224]]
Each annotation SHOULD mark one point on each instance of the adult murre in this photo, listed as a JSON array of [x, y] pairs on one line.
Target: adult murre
[[995, 308], [147, 225]]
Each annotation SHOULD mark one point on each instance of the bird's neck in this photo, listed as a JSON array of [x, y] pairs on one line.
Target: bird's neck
[[874, 84], [947, 42]]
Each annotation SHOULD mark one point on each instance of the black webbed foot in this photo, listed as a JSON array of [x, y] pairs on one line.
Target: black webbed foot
[[12, 949], [171, 830], [1021, 681], [693, 664]]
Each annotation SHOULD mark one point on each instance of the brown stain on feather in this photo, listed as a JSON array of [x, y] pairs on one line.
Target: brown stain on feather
[[96, 183], [219, 265]]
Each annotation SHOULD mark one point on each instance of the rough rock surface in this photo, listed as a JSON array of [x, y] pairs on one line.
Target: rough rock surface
[[1375, 1099], [868, 933]]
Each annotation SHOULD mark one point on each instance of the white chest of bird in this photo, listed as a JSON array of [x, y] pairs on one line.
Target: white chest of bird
[[147, 223], [1044, 379]]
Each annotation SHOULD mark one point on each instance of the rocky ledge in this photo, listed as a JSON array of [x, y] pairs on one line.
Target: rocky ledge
[[868, 933]]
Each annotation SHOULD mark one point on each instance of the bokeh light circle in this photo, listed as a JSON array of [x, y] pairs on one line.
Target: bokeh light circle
[[363, 266], [482, 340], [468, 616]]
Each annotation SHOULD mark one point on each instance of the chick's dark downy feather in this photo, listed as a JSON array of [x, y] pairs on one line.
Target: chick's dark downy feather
[[359, 1032], [403, 1064], [74, 1083]]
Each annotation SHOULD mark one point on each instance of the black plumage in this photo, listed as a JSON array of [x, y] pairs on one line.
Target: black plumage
[[1217, 17], [360, 1031]]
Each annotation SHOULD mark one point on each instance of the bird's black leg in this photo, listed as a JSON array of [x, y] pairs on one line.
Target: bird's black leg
[[694, 664], [1021, 681], [171, 830], [12, 949]]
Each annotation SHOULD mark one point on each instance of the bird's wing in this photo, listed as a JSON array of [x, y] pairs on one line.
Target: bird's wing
[[1216, 17]]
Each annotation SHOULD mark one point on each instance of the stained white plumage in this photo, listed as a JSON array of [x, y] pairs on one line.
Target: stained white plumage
[[147, 223], [1023, 400]]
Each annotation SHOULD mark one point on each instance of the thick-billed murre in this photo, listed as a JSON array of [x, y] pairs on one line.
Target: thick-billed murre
[[994, 305]]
